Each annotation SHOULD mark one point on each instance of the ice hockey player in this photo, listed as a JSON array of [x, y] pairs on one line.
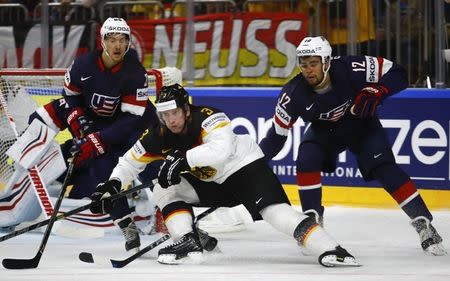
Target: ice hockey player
[[339, 97], [206, 164], [106, 108]]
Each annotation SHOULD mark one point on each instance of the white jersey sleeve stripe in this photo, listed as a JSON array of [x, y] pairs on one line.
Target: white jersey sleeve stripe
[[385, 66], [280, 128], [309, 187], [47, 119], [133, 109]]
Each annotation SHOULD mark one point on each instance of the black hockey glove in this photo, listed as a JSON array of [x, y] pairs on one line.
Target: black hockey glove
[[100, 198], [367, 101], [169, 172]]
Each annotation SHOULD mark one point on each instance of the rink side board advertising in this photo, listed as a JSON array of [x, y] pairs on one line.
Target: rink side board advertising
[[417, 122]]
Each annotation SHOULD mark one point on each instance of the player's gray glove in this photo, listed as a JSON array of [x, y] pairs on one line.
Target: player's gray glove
[[100, 198], [169, 172]]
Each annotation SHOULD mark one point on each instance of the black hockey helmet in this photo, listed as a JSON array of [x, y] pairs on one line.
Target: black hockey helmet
[[171, 97]]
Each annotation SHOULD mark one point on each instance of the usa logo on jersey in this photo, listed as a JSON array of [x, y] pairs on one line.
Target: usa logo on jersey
[[336, 113], [104, 105]]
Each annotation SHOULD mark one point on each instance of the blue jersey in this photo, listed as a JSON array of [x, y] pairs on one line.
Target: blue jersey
[[331, 110], [114, 99]]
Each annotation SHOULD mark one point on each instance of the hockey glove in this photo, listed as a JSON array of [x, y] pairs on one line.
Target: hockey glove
[[78, 123], [88, 147], [100, 198], [169, 172], [367, 100]]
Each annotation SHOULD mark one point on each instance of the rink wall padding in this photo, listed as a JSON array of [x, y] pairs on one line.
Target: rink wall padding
[[417, 122]]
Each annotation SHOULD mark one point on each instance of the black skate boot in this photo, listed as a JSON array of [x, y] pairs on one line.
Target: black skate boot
[[313, 214], [187, 249], [209, 243], [430, 240], [131, 234], [337, 257]]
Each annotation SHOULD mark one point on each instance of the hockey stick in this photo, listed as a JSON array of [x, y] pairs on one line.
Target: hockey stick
[[89, 258], [34, 262], [71, 212]]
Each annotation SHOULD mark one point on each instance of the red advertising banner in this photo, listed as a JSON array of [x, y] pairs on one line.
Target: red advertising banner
[[229, 49]]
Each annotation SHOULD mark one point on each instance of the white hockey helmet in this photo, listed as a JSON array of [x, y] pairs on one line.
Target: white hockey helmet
[[315, 46], [115, 25]]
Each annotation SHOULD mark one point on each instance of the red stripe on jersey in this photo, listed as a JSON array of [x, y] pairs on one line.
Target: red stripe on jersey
[[308, 178], [52, 113], [131, 99], [404, 191], [73, 88], [380, 68], [100, 63], [117, 67], [281, 124]]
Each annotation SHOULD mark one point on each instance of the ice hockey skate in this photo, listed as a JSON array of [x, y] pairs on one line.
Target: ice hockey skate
[[337, 258], [208, 242], [131, 234], [430, 240], [187, 250]]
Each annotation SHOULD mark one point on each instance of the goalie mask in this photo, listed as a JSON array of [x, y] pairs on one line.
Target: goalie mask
[[113, 26], [316, 46]]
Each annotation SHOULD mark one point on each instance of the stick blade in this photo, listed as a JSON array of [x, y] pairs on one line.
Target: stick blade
[[21, 263], [118, 263]]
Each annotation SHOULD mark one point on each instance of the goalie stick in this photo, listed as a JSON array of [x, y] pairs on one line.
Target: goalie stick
[[71, 212], [34, 262], [89, 258]]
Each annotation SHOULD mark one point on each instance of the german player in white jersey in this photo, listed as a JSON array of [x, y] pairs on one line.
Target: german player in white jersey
[[206, 164]]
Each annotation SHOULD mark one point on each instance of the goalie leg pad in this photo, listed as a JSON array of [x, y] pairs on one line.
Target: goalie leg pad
[[19, 204]]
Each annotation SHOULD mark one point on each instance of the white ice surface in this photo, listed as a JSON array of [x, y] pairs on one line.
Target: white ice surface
[[381, 240]]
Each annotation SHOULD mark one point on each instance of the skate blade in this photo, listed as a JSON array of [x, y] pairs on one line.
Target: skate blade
[[332, 261], [191, 258], [436, 250]]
